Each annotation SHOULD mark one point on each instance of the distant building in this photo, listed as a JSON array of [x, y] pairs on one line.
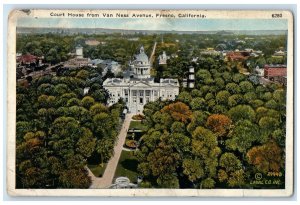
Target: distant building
[[92, 42], [162, 59], [210, 52], [106, 65], [237, 55], [77, 63], [279, 54], [79, 51], [27, 59], [274, 72], [260, 71], [138, 88], [78, 60], [190, 81]]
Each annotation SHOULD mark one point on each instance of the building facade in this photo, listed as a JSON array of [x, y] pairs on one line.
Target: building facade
[[138, 88], [162, 59], [273, 72]]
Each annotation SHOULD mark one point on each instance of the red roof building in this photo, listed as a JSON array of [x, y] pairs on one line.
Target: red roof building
[[274, 72], [237, 55], [27, 59]]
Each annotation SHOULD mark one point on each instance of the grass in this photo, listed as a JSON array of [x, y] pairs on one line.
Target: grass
[[127, 166], [97, 169], [138, 125]]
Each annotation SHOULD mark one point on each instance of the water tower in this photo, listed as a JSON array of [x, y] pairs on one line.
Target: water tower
[[191, 80], [79, 51]]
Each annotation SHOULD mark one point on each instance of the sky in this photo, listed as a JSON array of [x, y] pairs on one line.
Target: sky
[[156, 23]]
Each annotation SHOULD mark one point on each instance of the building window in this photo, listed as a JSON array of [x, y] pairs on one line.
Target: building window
[[134, 100], [141, 100], [126, 100], [141, 93], [134, 93], [147, 100], [155, 93], [126, 92], [148, 93]]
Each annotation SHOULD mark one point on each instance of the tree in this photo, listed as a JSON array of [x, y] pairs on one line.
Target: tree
[[198, 118], [244, 134], [86, 144], [230, 162], [98, 108], [198, 103], [271, 104], [208, 183], [105, 148], [231, 171], [168, 181], [205, 147], [256, 103], [31, 160], [249, 96], [233, 88], [193, 168], [234, 100], [241, 112], [87, 102], [177, 127], [237, 179], [219, 124], [202, 75], [238, 77], [267, 157], [222, 97], [185, 97], [82, 74], [246, 86], [163, 162], [81, 181], [219, 83], [227, 76], [268, 125], [179, 111]]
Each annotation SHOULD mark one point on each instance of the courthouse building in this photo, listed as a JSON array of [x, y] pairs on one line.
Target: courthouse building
[[138, 87]]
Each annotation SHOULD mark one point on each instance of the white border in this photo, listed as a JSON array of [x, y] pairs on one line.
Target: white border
[[143, 192]]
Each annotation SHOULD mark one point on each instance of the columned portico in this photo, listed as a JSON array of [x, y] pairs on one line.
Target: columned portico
[[140, 89]]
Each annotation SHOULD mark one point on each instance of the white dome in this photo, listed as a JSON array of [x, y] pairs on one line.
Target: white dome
[[142, 57]]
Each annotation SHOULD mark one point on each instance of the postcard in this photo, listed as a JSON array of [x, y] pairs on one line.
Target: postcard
[[150, 103]]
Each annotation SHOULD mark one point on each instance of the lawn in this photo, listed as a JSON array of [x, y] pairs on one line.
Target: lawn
[[127, 166], [97, 169], [137, 125]]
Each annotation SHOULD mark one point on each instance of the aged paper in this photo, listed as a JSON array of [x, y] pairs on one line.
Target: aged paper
[[150, 103]]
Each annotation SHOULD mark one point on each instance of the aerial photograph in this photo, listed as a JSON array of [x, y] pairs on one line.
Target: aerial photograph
[[160, 103]]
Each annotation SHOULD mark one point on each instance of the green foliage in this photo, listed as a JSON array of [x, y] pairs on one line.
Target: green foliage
[[241, 112], [61, 130], [244, 134], [193, 169]]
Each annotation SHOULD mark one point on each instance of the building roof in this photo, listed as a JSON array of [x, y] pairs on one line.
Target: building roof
[[134, 81], [275, 66], [27, 58], [142, 57]]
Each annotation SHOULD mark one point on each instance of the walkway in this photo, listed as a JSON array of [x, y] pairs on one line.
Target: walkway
[[106, 180], [151, 59]]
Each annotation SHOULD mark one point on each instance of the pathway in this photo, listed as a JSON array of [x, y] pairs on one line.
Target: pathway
[[106, 180], [151, 59]]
